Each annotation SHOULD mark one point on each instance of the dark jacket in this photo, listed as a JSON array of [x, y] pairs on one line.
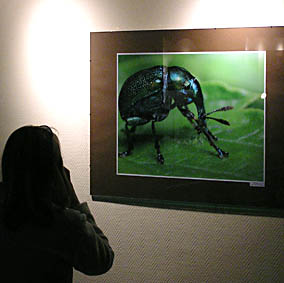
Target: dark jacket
[[49, 253]]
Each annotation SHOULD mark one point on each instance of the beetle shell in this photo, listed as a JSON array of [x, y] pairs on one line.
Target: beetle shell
[[142, 96]]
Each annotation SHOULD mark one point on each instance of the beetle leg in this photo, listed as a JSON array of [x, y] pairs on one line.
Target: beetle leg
[[160, 157], [203, 125], [201, 128], [209, 136], [213, 137], [190, 117], [130, 145]]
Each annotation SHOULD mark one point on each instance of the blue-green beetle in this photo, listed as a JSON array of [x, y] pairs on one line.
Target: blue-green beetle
[[150, 94]]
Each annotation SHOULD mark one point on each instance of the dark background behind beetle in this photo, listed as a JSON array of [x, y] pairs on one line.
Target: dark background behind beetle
[[201, 195]]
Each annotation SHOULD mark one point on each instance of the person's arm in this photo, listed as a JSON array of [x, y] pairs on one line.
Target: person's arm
[[93, 254]]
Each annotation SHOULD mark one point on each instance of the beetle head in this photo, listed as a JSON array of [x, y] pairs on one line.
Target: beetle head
[[183, 86]]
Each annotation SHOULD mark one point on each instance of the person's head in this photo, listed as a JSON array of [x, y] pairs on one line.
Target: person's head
[[31, 165]]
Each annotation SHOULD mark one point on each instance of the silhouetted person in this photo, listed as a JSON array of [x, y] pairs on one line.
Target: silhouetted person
[[44, 230]]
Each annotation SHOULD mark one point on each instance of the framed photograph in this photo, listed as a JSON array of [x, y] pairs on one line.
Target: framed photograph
[[187, 153], [188, 119]]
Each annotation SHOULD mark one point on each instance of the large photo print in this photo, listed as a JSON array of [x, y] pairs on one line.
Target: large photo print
[[197, 115]]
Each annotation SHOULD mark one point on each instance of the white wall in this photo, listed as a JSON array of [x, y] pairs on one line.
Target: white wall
[[44, 79]]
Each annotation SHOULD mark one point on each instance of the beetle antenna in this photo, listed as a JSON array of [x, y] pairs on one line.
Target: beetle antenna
[[226, 108], [222, 121]]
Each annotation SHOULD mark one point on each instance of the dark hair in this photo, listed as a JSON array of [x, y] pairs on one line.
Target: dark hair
[[31, 163]]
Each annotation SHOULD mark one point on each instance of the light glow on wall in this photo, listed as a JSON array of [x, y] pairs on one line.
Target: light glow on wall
[[242, 13], [57, 55]]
